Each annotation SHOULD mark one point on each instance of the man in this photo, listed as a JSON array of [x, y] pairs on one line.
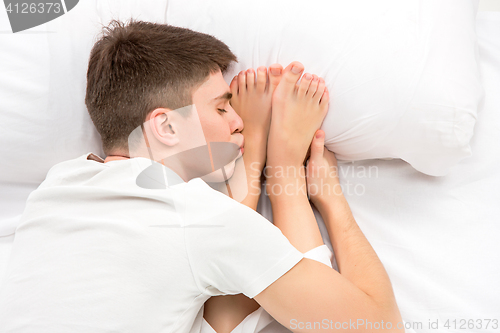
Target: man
[[98, 252]]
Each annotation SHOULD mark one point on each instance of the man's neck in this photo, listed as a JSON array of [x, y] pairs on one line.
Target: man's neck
[[173, 164], [110, 158]]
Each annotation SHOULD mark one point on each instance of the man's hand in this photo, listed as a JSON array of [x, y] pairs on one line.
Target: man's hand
[[322, 173]]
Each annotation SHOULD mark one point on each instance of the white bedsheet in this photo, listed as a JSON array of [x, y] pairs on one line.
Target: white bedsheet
[[437, 237]]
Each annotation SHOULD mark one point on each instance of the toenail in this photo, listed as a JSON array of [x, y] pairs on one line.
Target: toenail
[[275, 71], [315, 79], [307, 76], [295, 70]]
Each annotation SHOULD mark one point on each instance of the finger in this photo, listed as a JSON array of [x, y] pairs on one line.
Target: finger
[[318, 145]]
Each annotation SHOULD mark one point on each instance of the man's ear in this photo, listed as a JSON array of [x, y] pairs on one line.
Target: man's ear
[[163, 125]]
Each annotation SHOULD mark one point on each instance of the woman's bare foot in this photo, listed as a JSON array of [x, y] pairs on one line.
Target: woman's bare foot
[[298, 111], [252, 96]]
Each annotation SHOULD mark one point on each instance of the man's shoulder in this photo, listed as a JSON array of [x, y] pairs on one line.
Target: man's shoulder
[[203, 197], [203, 203], [64, 171]]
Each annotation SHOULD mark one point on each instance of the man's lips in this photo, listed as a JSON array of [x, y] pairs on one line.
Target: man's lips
[[242, 146]]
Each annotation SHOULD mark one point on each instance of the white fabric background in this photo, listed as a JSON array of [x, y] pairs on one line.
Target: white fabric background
[[437, 237], [402, 75]]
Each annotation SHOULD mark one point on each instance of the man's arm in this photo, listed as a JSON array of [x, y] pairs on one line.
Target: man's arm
[[312, 297], [311, 292], [356, 259]]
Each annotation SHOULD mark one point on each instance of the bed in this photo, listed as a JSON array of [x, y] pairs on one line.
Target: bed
[[436, 236]]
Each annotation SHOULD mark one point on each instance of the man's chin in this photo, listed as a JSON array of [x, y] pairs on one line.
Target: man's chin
[[218, 176]]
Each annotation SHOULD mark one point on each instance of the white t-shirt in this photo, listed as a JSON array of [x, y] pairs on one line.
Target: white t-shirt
[[95, 252]]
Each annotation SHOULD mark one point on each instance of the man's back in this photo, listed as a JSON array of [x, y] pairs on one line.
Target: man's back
[[95, 252]]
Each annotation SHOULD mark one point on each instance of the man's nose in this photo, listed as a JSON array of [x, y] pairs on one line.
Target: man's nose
[[235, 121]]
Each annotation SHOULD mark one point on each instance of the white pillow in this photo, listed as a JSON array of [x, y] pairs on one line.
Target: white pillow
[[43, 118], [403, 75]]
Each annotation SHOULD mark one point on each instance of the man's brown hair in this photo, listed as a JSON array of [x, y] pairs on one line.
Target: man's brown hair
[[139, 66]]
